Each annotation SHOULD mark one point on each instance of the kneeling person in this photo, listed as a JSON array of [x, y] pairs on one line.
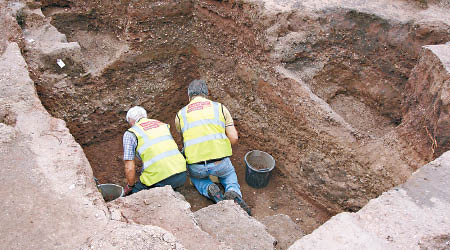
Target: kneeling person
[[208, 131], [151, 141]]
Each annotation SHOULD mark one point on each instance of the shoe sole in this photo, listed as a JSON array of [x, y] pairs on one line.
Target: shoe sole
[[231, 195], [214, 193]]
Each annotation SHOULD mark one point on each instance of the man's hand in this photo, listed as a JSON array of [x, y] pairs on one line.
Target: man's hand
[[127, 190]]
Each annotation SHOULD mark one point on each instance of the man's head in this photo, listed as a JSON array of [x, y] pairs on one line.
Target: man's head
[[197, 88], [135, 113]]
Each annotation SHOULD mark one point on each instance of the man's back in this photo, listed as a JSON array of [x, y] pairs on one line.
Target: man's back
[[202, 124]]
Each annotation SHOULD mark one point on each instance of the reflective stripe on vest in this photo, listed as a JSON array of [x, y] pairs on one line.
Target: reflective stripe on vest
[[204, 138], [215, 121], [160, 157], [160, 161], [150, 142]]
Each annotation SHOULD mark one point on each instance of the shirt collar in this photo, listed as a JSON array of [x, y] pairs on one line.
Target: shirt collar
[[198, 98]]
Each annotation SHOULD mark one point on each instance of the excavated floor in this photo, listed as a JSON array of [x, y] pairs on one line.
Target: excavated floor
[[147, 53]]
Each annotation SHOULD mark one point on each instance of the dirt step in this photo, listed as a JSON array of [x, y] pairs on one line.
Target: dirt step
[[229, 223], [48, 48], [285, 231], [167, 209]]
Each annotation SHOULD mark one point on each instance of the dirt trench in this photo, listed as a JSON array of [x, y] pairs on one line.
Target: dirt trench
[[321, 92]]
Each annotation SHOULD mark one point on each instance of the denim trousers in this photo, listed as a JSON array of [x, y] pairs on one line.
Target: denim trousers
[[224, 170], [176, 180]]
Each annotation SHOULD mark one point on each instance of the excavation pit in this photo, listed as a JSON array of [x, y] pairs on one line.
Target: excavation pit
[[311, 97]]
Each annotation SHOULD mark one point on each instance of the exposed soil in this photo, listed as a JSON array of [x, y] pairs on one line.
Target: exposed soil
[[321, 92]]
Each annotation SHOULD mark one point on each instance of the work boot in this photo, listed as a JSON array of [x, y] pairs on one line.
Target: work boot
[[232, 195], [214, 193]]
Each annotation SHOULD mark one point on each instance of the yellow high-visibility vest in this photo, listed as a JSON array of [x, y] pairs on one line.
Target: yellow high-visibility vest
[[202, 124], [158, 151]]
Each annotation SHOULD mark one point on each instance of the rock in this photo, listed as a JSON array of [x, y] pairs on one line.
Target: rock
[[9, 27], [48, 46], [285, 231], [228, 223], [40, 160], [162, 207], [120, 235]]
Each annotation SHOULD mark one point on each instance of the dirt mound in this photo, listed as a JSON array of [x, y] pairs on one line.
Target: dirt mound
[[229, 223], [162, 207]]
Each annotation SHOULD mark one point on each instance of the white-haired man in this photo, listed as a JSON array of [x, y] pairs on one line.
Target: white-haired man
[[208, 132], [151, 141]]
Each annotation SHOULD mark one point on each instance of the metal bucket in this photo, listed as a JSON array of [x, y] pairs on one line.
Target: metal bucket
[[259, 165], [110, 191]]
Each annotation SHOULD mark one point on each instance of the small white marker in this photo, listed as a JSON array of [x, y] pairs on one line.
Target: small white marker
[[60, 63]]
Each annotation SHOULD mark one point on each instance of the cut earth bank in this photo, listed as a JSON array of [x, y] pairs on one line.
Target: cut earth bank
[[325, 87]]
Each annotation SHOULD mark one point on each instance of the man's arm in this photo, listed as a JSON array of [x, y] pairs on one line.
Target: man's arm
[[129, 149], [232, 134], [230, 129], [130, 172]]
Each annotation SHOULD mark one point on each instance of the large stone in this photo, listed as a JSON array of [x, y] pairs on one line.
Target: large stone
[[164, 208], [49, 200], [46, 46], [228, 223], [119, 235], [415, 215], [9, 27]]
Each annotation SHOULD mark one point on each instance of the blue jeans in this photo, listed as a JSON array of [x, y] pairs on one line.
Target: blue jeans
[[176, 180], [200, 172]]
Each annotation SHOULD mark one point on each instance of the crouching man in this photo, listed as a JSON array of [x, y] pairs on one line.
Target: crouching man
[[150, 140], [208, 131]]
